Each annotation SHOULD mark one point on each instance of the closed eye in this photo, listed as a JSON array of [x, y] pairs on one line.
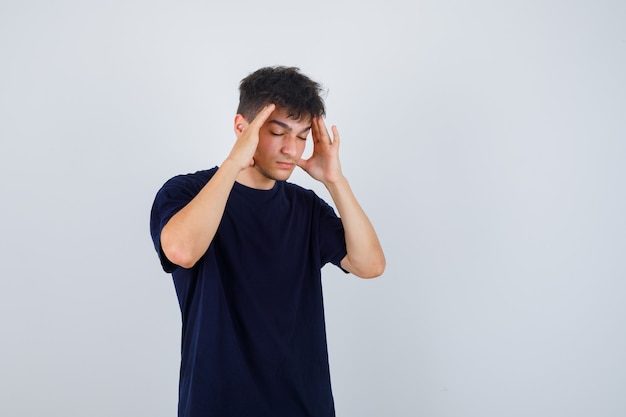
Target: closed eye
[[283, 134], [304, 134]]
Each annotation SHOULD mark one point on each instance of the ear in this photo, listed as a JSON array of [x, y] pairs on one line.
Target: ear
[[240, 124]]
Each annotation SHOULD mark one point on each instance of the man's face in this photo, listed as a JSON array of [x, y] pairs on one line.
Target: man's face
[[281, 143]]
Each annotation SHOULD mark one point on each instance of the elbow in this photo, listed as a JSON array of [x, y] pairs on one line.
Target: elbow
[[182, 260], [367, 267], [177, 253], [179, 257], [372, 270]]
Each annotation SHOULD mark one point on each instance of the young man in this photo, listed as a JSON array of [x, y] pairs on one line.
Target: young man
[[246, 248]]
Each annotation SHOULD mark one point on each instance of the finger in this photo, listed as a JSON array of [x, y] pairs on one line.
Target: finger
[[318, 131], [335, 135], [315, 131], [262, 116], [324, 135]]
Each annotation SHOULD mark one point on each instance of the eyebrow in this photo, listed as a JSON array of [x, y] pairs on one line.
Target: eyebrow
[[286, 126]]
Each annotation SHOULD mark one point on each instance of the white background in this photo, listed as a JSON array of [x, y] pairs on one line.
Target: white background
[[485, 139]]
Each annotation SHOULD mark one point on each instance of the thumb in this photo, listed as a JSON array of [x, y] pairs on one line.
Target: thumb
[[303, 163]]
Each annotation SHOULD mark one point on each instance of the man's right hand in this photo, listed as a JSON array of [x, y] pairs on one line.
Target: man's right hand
[[242, 153]]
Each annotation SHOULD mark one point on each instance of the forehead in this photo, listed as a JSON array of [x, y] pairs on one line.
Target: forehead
[[280, 117]]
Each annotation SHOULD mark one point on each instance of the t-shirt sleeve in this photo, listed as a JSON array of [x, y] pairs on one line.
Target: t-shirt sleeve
[[172, 197], [332, 237]]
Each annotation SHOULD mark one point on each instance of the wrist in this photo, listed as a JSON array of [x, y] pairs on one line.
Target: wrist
[[231, 166], [335, 182]]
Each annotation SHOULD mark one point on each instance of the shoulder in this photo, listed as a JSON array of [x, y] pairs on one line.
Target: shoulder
[[191, 178], [191, 181], [306, 197], [300, 193]]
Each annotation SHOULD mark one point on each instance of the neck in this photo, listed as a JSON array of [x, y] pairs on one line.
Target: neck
[[252, 178]]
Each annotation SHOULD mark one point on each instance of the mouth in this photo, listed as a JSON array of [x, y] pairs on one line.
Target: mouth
[[285, 165]]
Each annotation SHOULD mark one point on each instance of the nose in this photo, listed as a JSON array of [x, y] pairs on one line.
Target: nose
[[289, 147]]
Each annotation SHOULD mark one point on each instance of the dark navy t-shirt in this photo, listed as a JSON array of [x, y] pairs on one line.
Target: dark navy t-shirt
[[253, 333]]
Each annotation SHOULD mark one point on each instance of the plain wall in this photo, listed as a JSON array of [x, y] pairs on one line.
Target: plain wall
[[485, 140]]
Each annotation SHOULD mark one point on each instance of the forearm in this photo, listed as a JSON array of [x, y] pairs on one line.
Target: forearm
[[188, 234], [365, 256]]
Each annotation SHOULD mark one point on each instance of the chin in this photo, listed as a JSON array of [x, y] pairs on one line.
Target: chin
[[283, 176], [276, 175]]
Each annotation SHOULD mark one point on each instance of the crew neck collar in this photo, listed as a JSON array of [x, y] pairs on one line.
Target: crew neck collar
[[258, 191]]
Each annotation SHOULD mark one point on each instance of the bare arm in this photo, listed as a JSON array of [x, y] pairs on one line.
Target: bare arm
[[188, 234], [365, 257]]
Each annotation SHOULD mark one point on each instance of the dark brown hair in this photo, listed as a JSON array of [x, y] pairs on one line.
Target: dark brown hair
[[286, 87]]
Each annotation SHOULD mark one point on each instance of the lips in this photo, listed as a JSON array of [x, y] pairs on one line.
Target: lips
[[285, 165]]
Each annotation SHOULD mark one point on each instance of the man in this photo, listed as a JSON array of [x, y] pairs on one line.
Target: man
[[246, 248]]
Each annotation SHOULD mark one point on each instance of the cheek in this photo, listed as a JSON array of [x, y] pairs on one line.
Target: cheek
[[301, 146], [263, 147]]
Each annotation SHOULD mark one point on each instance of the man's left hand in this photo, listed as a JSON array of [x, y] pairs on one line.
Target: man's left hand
[[323, 165]]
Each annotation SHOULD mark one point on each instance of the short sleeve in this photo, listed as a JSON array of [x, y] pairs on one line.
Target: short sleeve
[[170, 199], [332, 237]]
